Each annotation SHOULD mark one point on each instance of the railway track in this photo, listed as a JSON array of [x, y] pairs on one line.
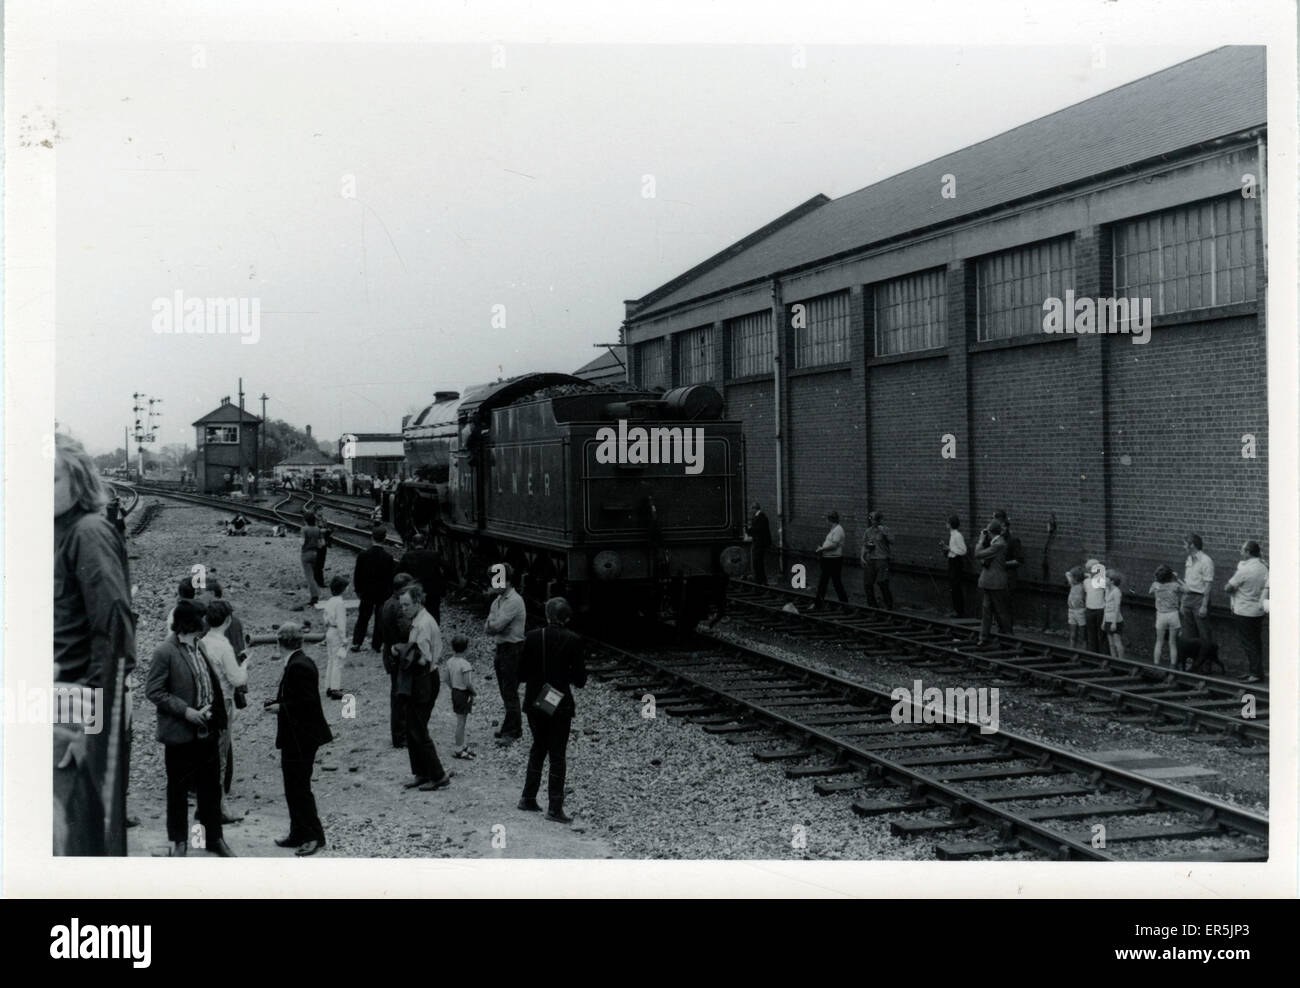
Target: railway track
[[273, 514], [355, 506], [129, 497], [318, 501], [982, 793], [1127, 690]]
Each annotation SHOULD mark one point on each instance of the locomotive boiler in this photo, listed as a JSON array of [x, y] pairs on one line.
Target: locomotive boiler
[[619, 500]]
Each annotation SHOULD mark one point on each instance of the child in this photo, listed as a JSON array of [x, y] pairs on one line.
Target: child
[[1077, 617], [1113, 619], [1094, 599], [336, 636], [459, 674], [1168, 592]]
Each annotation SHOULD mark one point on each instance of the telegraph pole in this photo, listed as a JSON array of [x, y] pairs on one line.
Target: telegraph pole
[[145, 431], [261, 447]]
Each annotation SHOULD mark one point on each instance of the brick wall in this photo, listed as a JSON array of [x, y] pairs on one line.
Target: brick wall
[[1028, 434], [1178, 408], [752, 404], [911, 483], [826, 448]]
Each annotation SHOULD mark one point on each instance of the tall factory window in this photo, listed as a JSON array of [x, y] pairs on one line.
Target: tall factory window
[[1012, 286], [821, 330], [695, 353], [912, 313], [652, 363], [1192, 257], [751, 344], [221, 435]]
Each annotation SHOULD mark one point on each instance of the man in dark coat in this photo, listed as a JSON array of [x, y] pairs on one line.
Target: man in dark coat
[[373, 580], [426, 569], [991, 554], [396, 630], [552, 657], [191, 716], [760, 531], [300, 729]]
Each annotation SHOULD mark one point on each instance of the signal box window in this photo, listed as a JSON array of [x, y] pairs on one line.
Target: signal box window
[[221, 435]]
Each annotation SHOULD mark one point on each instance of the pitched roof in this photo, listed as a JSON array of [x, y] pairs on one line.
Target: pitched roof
[[1211, 96], [227, 412], [606, 363], [306, 458]]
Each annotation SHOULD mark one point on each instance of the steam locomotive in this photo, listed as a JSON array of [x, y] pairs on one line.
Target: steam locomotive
[[620, 500]]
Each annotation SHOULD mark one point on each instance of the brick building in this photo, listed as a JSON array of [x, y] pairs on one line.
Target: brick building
[[227, 443], [886, 349]]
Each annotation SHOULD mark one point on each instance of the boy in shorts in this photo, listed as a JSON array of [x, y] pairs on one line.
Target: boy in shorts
[[1077, 616], [459, 675], [1168, 593]]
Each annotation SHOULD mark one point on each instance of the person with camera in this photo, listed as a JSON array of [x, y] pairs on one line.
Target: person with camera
[[191, 716], [233, 677], [874, 556], [991, 553]]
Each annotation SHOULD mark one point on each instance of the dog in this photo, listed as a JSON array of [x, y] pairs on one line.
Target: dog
[[1201, 657]]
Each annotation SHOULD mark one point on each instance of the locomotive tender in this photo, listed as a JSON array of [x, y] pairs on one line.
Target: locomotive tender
[[622, 500]]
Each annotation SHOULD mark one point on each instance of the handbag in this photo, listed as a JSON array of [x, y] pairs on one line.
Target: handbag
[[549, 699]]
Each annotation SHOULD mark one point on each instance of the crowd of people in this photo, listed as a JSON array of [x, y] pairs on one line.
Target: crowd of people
[[1095, 592]]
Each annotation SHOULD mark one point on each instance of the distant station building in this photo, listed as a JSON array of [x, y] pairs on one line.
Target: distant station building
[[917, 374], [375, 454], [305, 465], [609, 368], [227, 443]]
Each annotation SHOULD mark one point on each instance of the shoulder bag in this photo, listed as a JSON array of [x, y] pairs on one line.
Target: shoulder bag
[[549, 699]]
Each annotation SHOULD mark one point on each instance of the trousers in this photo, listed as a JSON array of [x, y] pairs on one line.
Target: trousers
[[507, 670], [1192, 619], [759, 554], [550, 743], [304, 821], [367, 608], [875, 574], [318, 567], [199, 762], [420, 749], [1250, 631], [830, 573], [309, 574], [956, 573], [1092, 627], [396, 711], [995, 603]]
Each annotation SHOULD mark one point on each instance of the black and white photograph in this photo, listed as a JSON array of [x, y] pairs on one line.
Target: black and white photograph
[[566, 449]]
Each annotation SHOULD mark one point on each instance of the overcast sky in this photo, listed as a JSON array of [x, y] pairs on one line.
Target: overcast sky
[[222, 172]]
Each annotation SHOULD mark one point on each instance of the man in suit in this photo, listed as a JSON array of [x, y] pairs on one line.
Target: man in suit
[[373, 580], [191, 716], [426, 569], [300, 729], [760, 531], [991, 555]]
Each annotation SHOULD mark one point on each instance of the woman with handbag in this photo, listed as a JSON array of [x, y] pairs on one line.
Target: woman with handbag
[[552, 663]]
